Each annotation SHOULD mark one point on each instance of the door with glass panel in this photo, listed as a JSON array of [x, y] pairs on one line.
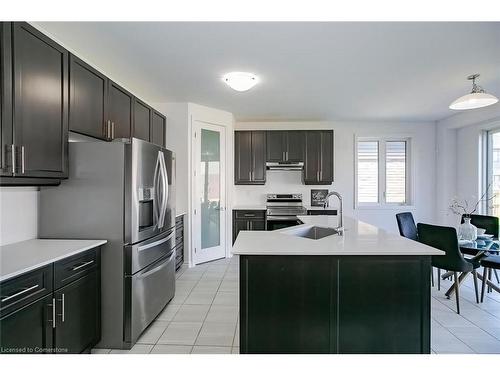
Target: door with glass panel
[[209, 192]]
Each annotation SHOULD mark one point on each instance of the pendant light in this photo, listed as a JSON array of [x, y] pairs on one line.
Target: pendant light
[[476, 99]]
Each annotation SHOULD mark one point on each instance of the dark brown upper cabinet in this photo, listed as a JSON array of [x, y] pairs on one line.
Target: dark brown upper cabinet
[[318, 163], [102, 109], [250, 158], [142, 120], [34, 101], [88, 100], [5, 100], [158, 129], [285, 146], [121, 104]]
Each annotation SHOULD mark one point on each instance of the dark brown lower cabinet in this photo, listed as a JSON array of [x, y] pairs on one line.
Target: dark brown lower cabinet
[[41, 313], [334, 304], [248, 220], [28, 330], [78, 323]]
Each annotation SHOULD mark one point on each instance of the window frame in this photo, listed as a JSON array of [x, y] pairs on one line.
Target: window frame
[[382, 162], [485, 173]]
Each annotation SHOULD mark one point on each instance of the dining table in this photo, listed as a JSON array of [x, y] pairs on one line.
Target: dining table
[[476, 250]]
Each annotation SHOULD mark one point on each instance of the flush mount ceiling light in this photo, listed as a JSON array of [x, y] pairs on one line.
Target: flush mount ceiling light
[[240, 81], [476, 99]]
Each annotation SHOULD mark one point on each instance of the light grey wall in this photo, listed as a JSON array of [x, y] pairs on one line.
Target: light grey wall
[[460, 169], [18, 214]]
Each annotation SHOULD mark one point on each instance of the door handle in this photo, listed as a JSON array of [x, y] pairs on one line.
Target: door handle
[[53, 305], [23, 160], [164, 181], [13, 157], [62, 315]]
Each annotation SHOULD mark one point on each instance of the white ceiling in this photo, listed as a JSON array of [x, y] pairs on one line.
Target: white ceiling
[[309, 71]]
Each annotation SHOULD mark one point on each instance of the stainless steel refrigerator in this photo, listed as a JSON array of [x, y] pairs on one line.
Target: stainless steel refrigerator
[[123, 192]]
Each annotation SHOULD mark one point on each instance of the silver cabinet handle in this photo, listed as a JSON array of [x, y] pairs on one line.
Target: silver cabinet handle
[[250, 175], [286, 155], [62, 308], [23, 160], [13, 157], [108, 129], [26, 290], [76, 268], [53, 305], [112, 130]]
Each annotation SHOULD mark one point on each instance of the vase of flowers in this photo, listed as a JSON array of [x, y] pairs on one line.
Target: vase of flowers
[[468, 231]]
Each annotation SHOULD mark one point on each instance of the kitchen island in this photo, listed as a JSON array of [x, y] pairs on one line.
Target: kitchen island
[[367, 291]]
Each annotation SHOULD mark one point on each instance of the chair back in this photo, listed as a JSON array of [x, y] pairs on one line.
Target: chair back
[[406, 225], [490, 223], [445, 239]]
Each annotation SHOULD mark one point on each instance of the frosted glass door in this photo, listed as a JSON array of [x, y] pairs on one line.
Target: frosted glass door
[[210, 188], [210, 193]]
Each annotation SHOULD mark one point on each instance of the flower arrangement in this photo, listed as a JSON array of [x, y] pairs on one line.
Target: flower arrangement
[[466, 208]]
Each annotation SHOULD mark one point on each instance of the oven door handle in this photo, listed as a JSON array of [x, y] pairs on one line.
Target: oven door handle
[[282, 218]]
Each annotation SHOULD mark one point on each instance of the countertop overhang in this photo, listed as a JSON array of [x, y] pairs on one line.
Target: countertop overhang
[[25, 256], [359, 238]]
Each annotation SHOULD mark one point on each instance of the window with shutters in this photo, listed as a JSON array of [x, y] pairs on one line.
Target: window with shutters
[[382, 172]]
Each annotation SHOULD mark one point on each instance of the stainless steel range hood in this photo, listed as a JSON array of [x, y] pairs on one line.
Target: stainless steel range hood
[[285, 166]]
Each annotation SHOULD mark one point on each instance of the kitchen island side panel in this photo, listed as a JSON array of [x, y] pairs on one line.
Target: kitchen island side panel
[[334, 304]]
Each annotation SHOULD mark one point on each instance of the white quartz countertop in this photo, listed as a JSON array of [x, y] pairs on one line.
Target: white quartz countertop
[[359, 239], [21, 257]]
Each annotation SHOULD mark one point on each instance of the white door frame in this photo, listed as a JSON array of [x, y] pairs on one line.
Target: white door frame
[[220, 251]]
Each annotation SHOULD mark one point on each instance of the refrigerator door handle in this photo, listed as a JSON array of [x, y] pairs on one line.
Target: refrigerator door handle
[[156, 203], [164, 190]]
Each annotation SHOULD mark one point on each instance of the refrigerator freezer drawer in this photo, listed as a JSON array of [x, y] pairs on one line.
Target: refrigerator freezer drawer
[[147, 252], [146, 294]]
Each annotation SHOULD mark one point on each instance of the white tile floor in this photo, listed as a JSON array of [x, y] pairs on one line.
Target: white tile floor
[[203, 317]]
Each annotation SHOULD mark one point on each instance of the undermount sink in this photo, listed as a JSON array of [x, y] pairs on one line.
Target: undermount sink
[[315, 233]]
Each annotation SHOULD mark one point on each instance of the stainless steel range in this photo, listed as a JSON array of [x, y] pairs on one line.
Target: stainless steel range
[[282, 210]]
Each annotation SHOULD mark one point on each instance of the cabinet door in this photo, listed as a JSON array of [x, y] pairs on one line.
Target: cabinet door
[[243, 157], [142, 120], [257, 225], [78, 314], [88, 100], [276, 146], [240, 225], [5, 101], [28, 329], [120, 104], [312, 157], [326, 157], [40, 103], [295, 145], [259, 157], [158, 129]]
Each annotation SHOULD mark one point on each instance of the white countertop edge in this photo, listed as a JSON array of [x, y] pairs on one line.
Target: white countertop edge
[[279, 237], [26, 269]]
